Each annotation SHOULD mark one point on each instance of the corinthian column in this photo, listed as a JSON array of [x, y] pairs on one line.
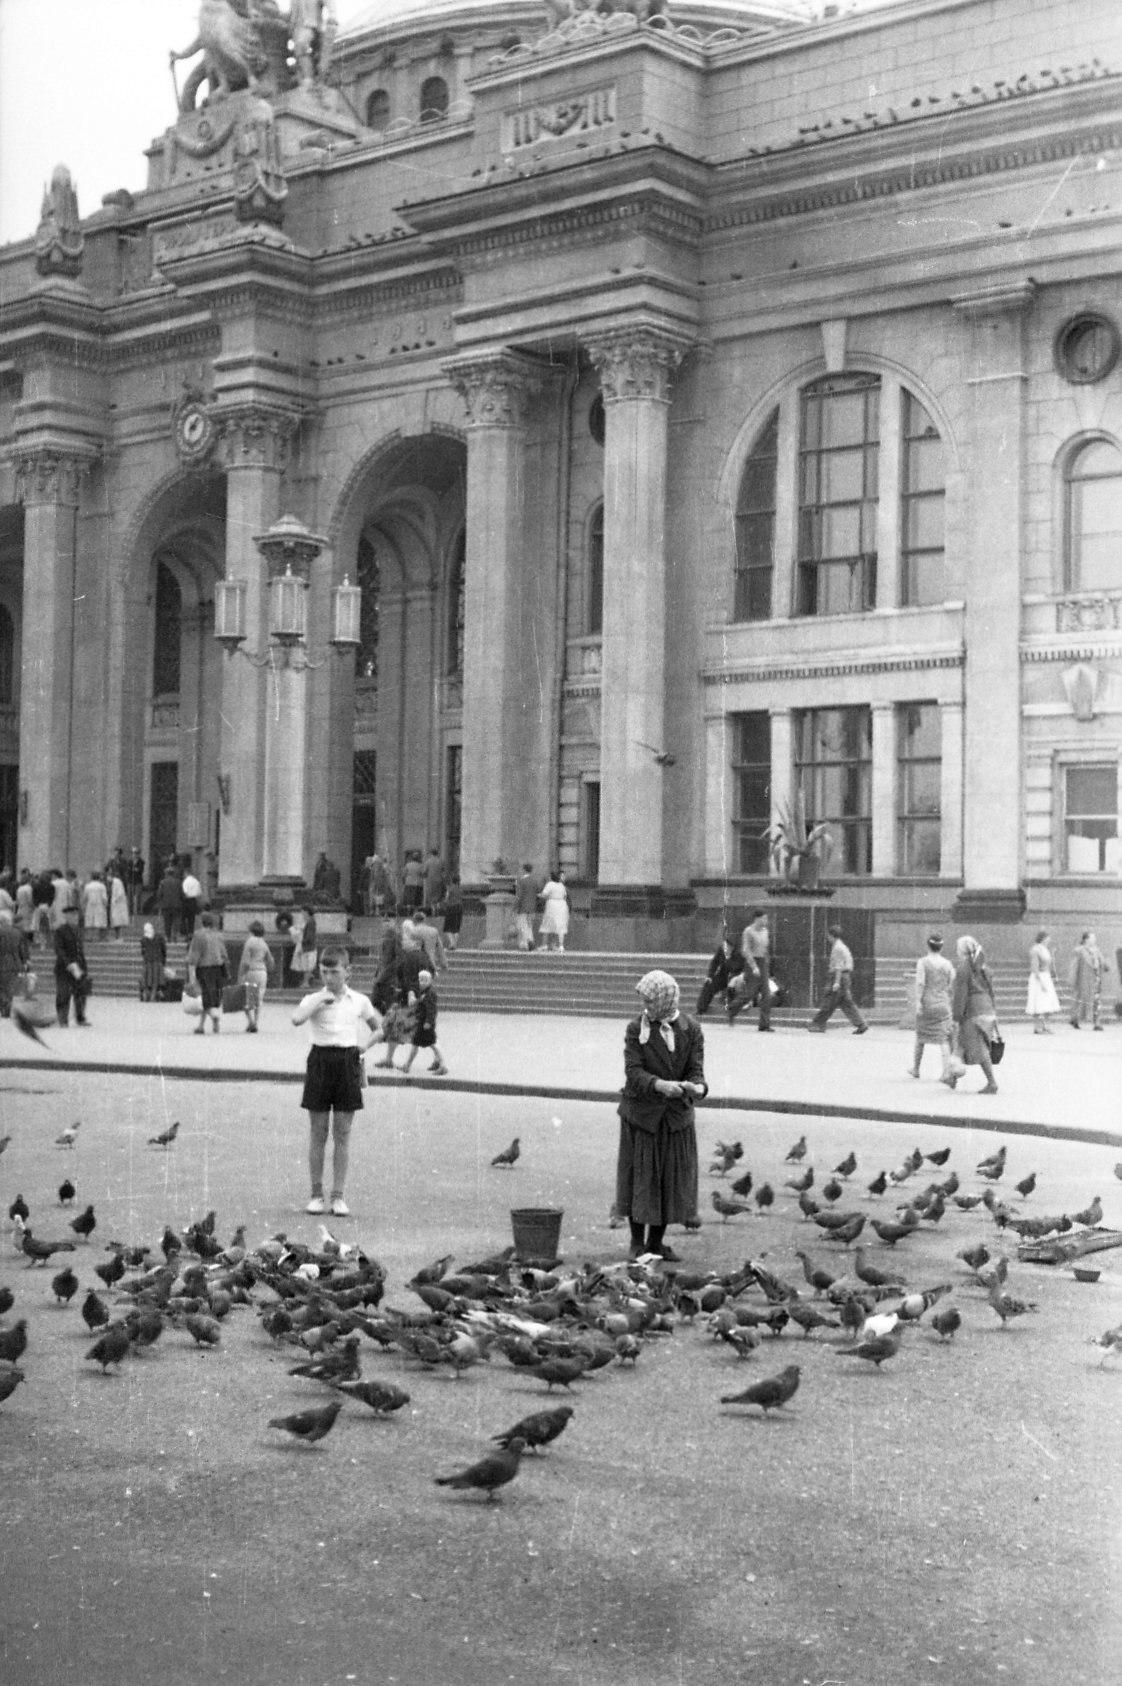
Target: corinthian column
[[500, 697], [635, 369], [254, 445], [48, 483]]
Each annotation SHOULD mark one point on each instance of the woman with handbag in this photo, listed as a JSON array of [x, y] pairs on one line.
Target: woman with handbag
[[208, 967], [253, 971], [975, 1014]]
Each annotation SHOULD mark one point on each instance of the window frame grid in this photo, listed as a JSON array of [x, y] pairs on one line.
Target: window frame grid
[[811, 570], [750, 828], [748, 573], [844, 827], [912, 556], [910, 821]]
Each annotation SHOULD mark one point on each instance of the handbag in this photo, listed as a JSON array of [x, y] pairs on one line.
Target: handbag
[[234, 998], [997, 1047], [192, 998]]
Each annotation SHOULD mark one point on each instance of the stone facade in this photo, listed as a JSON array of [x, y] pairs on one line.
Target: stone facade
[[711, 405]]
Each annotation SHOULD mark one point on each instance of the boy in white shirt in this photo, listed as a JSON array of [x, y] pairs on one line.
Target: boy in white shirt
[[333, 1084]]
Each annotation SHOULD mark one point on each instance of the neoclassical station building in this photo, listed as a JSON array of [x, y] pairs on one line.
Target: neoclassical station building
[[712, 401]]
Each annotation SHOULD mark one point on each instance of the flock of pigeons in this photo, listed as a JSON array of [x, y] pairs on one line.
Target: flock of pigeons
[[327, 1303]]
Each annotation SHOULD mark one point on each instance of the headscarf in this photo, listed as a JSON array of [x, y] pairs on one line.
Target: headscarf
[[658, 992], [149, 931], [969, 948]]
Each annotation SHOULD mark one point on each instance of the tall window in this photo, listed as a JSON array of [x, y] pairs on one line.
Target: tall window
[[7, 657], [453, 806], [751, 774], [922, 493], [590, 830], [434, 99], [456, 608], [1091, 819], [163, 814], [168, 631], [833, 767], [594, 618], [918, 776], [755, 528], [840, 442], [378, 109], [1093, 495], [368, 579]]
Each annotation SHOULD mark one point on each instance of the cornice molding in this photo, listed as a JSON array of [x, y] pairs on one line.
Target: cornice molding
[[771, 672], [1031, 654]]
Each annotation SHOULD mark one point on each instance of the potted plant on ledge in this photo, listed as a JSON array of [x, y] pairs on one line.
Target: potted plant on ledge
[[800, 852]]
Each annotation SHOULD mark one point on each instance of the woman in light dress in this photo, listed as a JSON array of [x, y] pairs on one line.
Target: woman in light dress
[[934, 1024], [1042, 999], [95, 906], [555, 915], [118, 907]]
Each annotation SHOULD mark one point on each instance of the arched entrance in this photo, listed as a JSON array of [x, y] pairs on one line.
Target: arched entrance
[[401, 536]]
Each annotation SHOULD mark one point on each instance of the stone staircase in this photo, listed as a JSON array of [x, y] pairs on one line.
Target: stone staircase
[[583, 983]]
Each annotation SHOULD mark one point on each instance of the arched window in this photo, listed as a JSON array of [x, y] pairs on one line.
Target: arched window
[[755, 528], [434, 99], [367, 567], [7, 657], [839, 452], [378, 109], [456, 602], [168, 633], [1093, 524], [594, 612]]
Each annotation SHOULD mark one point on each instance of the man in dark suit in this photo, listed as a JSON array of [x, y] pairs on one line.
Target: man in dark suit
[[71, 971]]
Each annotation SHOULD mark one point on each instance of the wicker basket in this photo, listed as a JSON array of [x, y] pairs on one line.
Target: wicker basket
[[537, 1233]]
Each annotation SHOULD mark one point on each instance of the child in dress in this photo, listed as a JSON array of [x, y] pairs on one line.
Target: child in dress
[[423, 1002]]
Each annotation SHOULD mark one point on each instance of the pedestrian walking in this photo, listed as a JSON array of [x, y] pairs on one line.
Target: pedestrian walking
[[14, 951], [433, 880], [839, 988], [1042, 1000], [1088, 965], [153, 962], [208, 968], [554, 927], [525, 906], [428, 936], [169, 902], [412, 881], [254, 967], [974, 1012], [334, 1078], [753, 984], [453, 914], [424, 1005], [664, 1072], [72, 975], [934, 1024]]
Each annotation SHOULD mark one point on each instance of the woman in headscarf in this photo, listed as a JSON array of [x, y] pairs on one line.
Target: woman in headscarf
[[1087, 968], [934, 982], [663, 1061], [974, 1011]]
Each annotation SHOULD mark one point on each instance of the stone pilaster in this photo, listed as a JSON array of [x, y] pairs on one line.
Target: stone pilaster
[[48, 482], [950, 790], [253, 449], [499, 706], [997, 378], [883, 793], [635, 370]]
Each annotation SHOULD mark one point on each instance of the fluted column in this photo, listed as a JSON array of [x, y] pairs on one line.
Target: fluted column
[[48, 483], [254, 445], [500, 698], [635, 369]]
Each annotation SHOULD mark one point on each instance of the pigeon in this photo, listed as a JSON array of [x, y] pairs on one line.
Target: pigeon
[[7, 1301], [204, 1331], [769, 1394], [1117, 1168], [945, 1320], [893, 1230], [875, 1349], [832, 1190], [338, 1364], [490, 1473], [1091, 1215], [13, 1342], [112, 1346], [727, 1208], [66, 1192], [19, 1209], [560, 1372], [993, 1167], [967, 1202], [1026, 1185], [832, 1221], [1110, 1341], [64, 1286], [871, 1275], [95, 1312], [432, 1273], [10, 1377], [38, 1252], [382, 1397], [85, 1223], [4, 1141], [802, 1182], [764, 1197], [509, 1154], [847, 1166], [939, 1157], [742, 1186], [112, 1270], [1006, 1306], [975, 1256], [166, 1137], [145, 1325], [541, 1428], [807, 1317], [908, 1167], [796, 1153], [913, 1306], [878, 1184], [817, 1278], [807, 1206], [69, 1135], [309, 1426]]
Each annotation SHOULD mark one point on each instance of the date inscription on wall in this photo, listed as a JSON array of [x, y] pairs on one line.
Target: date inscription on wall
[[583, 114]]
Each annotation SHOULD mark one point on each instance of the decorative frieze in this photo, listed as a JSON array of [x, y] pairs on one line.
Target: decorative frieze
[[495, 387], [45, 475], [255, 435], [635, 363], [764, 672], [590, 113], [1098, 613]]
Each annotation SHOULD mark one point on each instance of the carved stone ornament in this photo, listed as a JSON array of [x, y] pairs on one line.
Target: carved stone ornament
[[1081, 684], [635, 364], [46, 476], [575, 21], [494, 388], [255, 436], [260, 189], [248, 46], [1088, 614], [59, 242]]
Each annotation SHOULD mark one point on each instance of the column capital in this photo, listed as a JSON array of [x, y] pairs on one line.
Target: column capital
[[1007, 299], [255, 434], [50, 473], [495, 385], [636, 362]]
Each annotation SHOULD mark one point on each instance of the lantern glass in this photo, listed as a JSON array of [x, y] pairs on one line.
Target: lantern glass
[[346, 615], [229, 612], [287, 608]]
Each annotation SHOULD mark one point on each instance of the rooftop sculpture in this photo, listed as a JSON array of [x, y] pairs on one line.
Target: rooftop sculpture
[[253, 44]]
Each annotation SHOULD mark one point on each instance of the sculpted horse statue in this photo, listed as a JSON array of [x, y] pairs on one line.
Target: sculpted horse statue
[[560, 11], [230, 42]]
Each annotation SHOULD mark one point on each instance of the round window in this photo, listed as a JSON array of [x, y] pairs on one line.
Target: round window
[[1087, 348]]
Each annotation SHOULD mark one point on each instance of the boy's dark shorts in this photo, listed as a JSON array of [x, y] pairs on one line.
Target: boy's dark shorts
[[333, 1081]]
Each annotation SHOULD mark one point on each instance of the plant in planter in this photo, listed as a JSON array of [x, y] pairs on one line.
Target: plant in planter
[[501, 876], [801, 852]]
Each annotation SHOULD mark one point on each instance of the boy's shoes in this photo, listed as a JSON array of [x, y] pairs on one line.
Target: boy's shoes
[[316, 1204], [339, 1207], [439, 1069]]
